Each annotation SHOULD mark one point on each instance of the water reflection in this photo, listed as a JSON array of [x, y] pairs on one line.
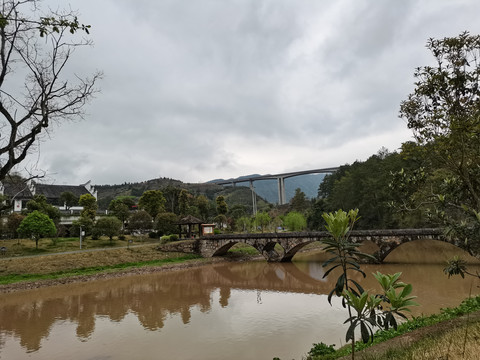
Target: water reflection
[[211, 296]]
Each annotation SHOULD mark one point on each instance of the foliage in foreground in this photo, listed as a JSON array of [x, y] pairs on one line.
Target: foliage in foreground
[[467, 306]]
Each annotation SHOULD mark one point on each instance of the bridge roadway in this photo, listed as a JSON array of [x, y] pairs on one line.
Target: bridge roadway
[[292, 242], [282, 198]]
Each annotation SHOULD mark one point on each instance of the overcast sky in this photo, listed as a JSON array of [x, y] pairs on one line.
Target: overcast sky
[[203, 89]]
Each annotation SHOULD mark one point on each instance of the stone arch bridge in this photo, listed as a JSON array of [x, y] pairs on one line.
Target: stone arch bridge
[[291, 243]]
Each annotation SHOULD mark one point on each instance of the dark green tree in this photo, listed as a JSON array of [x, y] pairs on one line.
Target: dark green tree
[[68, 199], [171, 195], [119, 209], [39, 203], [90, 206], [140, 220], [37, 225], [13, 222], [184, 200], [202, 204], [83, 222], [166, 223], [444, 115], [109, 226], [299, 202], [222, 207], [153, 202]]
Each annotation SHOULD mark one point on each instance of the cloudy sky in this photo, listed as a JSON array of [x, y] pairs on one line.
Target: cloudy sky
[[203, 89]]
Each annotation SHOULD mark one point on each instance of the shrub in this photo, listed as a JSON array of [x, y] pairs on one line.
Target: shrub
[[153, 235]]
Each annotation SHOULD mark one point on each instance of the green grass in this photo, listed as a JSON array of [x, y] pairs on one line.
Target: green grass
[[14, 278], [467, 306]]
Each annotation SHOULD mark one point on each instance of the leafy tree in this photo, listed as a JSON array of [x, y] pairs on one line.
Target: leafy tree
[[127, 200], [444, 115], [85, 223], [237, 211], [295, 221], [367, 186], [202, 204], [166, 223], [140, 220], [39, 203], [299, 202], [222, 207], [68, 199], [109, 226], [184, 198], [13, 222], [37, 48], [153, 202], [171, 195], [244, 224], [221, 220], [119, 209], [37, 225], [90, 206], [262, 219]]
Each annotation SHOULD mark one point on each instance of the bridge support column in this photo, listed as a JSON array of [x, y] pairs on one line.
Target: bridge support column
[[282, 198], [254, 198]]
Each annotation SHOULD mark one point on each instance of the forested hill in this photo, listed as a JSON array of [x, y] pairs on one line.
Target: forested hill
[[268, 189], [107, 193]]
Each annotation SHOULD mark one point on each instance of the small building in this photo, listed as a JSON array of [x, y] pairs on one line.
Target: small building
[[187, 227], [22, 192]]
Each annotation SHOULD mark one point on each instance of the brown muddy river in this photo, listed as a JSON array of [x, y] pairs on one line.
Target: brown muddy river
[[253, 310]]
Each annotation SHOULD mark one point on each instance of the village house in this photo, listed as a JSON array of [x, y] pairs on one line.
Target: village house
[[20, 193]]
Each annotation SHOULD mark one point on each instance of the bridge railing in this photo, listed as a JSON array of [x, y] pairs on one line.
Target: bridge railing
[[324, 234]]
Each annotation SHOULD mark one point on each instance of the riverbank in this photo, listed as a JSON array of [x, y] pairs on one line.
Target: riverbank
[[42, 271], [452, 334]]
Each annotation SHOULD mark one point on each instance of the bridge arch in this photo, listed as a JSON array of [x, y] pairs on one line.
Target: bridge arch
[[290, 253], [386, 240], [384, 251]]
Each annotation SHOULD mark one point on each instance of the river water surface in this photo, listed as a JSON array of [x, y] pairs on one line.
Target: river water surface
[[250, 310]]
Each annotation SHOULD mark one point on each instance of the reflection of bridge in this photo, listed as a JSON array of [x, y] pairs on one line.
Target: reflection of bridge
[[291, 243], [282, 198]]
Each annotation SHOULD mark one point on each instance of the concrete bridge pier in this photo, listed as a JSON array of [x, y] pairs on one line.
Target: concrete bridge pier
[[282, 197]]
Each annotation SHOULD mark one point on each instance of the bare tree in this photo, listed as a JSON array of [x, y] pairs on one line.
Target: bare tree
[[36, 89]]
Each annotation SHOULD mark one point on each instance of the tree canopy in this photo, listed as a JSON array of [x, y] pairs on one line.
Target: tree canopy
[[37, 47], [37, 225], [444, 115], [153, 202]]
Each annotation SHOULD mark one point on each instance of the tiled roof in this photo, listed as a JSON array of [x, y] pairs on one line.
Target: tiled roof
[[17, 190], [189, 220], [54, 191]]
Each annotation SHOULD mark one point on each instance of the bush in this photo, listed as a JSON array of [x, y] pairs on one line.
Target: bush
[[174, 237], [152, 235], [121, 237], [216, 231], [322, 350]]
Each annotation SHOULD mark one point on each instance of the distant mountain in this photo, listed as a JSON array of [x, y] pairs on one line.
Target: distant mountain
[[268, 189]]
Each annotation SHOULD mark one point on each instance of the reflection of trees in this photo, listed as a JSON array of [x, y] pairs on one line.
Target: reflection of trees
[[153, 298]]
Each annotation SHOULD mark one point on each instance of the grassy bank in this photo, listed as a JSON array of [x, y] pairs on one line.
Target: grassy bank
[[85, 263], [26, 247], [452, 334]]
